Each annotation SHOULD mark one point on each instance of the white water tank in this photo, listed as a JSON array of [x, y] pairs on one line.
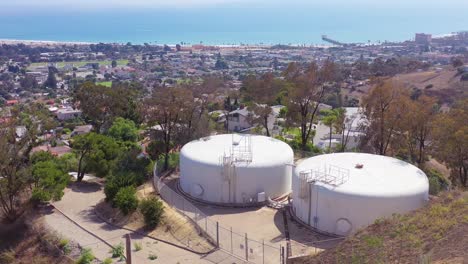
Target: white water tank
[[236, 168], [342, 192]]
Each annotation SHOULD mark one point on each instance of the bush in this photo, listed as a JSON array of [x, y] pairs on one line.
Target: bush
[[7, 257], [436, 181], [116, 182], [152, 257], [137, 246], [118, 251], [126, 199], [86, 256], [172, 163], [152, 209], [107, 261]]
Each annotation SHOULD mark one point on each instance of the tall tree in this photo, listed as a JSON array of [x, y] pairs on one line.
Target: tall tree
[[332, 119], [168, 108], [15, 173], [419, 118], [101, 104], [450, 143], [95, 153], [51, 81], [384, 109], [263, 93], [307, 86]]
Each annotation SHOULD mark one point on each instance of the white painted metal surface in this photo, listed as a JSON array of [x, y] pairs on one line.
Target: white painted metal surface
[[235, 173], [353, 197]]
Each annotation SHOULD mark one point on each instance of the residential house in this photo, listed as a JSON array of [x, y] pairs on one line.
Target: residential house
[[67, 114], [240, 120], [355, 121], [80, 130]]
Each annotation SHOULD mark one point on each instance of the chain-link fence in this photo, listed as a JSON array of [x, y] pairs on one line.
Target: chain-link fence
[[233, 242]]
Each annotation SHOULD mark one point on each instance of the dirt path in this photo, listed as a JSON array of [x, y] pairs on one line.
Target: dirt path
[[78, 204]]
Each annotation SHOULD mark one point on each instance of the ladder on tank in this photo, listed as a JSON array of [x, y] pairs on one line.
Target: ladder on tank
[[228, 175], [241, 149]]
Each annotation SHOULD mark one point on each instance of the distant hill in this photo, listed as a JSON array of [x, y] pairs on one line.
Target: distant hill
[[437, 233], [443, 83]]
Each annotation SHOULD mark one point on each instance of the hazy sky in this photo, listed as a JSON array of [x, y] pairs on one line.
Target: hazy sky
[[93, 4]]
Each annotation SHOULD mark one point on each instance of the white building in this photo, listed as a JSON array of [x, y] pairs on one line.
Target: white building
[[342, 192], [67, 114], [240, 120], [236, 169], [355, 121]]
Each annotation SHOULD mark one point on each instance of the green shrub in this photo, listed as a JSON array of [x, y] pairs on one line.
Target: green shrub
[[118, 251], [436, 181], [107, 261], [152, 209], [126, 199], [115, 182], [86, 256], [64, 245], [137, 246], [173, 161], [152, 257]]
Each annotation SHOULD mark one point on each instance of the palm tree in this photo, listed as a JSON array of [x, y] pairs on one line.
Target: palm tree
[[329, 119]]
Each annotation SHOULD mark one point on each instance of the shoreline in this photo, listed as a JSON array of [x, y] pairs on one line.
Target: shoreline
[[226, 46], [43, 42]]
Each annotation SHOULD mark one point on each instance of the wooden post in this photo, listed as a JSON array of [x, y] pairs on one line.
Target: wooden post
[[246, 248], [128, 248], [217, 234]]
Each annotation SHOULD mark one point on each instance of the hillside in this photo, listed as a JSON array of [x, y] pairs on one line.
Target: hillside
[[445, 84], [437, 233]]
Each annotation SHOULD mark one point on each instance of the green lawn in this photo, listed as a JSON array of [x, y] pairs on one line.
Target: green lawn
[[107, 84], [292, 131], [80, 63]]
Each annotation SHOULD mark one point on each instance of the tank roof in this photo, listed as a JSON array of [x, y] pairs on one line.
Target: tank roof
[[264, 150], [368, 174]]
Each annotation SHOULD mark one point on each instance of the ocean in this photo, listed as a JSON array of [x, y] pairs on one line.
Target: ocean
[[230, 26]]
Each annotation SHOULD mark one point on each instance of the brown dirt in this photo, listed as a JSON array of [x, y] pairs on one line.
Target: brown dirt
[[27, 241]]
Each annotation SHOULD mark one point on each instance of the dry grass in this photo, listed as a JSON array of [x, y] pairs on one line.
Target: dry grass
[[35, 245], [436, 233]]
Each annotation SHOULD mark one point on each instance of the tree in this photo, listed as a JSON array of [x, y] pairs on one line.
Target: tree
[[51, 81], [49, 180], [28, 83], [419, 119], [95, 153], [15, 174], [330, 119], [114, 63], [124, 130], [263, 92], [456, 62], [384, 107], [306, 89], [450, 143], [221, 64], [169, 109], [101, 104]]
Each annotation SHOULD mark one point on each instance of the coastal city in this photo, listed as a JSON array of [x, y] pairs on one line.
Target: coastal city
[[268, 154]]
